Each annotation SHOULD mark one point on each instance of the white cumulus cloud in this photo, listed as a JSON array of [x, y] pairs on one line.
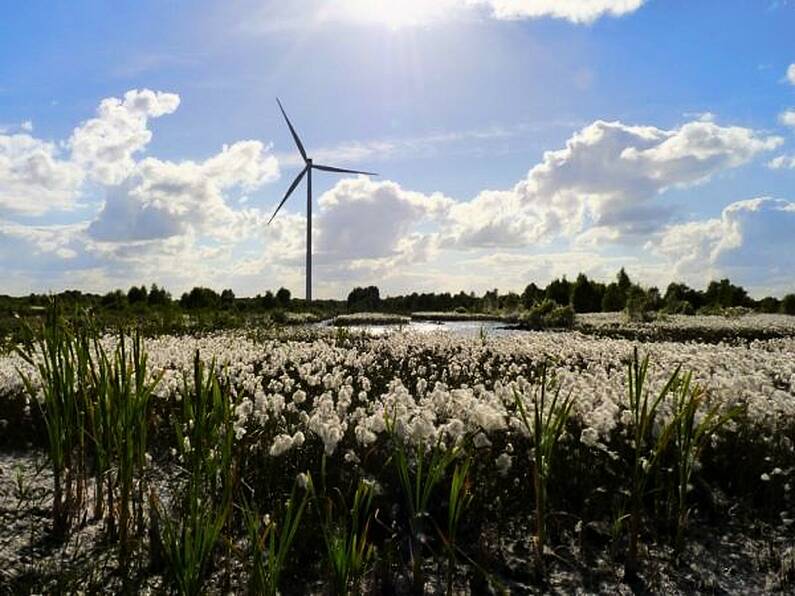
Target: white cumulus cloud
[[104, 146], [280, 16], [162, 199], [362, 218], [34, 178], [576, 11], [791, 74], [181, 220], [787, 117], [605, 183], [750, 243], [782, 162]]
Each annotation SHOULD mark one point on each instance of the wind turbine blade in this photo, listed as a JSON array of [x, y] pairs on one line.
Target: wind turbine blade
[[289, 192], [342, 170], [292, 130]]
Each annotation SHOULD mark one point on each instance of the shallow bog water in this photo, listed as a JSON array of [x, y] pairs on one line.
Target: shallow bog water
[[463, 328]]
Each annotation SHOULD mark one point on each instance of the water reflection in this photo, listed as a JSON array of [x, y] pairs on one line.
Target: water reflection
[[464, 328]]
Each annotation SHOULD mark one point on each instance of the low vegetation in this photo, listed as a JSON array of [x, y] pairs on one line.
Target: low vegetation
[[370, 318], [200, 310], [325, 462]]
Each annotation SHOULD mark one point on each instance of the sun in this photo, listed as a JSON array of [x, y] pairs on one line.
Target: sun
[[398, 14]]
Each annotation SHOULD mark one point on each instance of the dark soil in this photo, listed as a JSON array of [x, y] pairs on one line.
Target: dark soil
[[737, 555]]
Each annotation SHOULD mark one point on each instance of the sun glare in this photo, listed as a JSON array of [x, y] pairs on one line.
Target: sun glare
[[398, 14]]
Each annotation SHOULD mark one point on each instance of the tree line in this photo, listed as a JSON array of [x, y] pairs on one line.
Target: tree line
[[584, 295]]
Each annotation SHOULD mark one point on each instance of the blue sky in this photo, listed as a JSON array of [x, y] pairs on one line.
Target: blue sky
[[517, 140]]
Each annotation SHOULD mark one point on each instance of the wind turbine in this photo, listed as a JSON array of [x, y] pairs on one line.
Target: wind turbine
[[308, 167]]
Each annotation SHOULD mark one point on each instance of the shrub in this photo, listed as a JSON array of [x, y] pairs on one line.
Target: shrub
[[724, 311], [562, 316], [637, 307], [769, 305], [547, 314], [788, 304], [680, 307]]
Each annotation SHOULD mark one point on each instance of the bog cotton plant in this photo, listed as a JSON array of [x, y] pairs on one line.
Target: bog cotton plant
[[282, 404]]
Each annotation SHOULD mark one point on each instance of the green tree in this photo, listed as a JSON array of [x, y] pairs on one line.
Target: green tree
[[465, 301], [637, 304], [681, 299], [532, 295], [283, 297], [115, 300], [158, 296], [623, 281], [510, 301], [227, 299], [364, 299], [136, 295], [268, 301], [788, 304], [613, 300], [654, 298], [491, 300], [585, 295], [769, 304], [724, 293], [199, 298], [559, 291]]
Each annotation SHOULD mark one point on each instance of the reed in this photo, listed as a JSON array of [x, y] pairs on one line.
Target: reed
[[545, 429], [191, 532], [346, 535], [59, 389], [646, 449], [459, 499], [694, 423], [420, 470], [271, 540]]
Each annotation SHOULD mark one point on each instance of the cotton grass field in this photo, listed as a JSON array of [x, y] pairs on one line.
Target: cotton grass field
[[312, 460]]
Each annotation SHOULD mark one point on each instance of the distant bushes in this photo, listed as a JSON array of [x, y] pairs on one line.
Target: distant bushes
[[679, 307], [370, 318], [725, 311], [364, 299], [156, 311], [638, 307], [788, 304], [547, 314]]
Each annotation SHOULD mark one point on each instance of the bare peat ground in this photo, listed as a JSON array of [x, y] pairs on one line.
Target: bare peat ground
[[737, 555]]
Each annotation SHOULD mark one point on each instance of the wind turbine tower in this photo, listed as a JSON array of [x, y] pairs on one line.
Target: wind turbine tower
[[307, 171]]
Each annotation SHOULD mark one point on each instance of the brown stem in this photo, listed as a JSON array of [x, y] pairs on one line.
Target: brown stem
[[540, 526]]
